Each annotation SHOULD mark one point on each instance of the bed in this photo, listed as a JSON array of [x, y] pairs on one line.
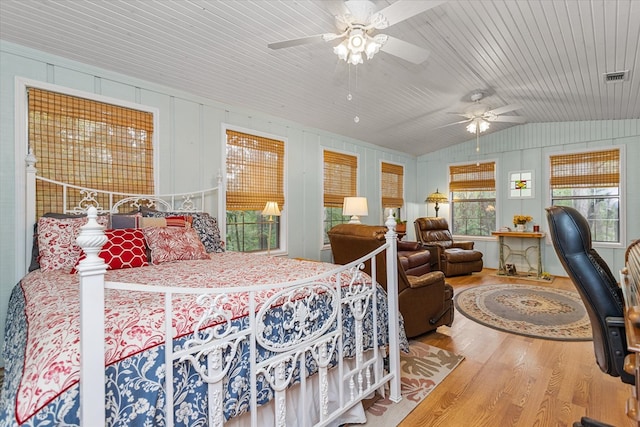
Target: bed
[[248, 342]]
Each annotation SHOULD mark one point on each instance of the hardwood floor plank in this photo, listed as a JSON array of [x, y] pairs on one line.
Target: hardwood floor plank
[[512, 380]]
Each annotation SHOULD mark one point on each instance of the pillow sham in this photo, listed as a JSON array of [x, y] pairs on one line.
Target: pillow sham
[[152, 222], [174, 244], [204, 224], [125, 248], [57, 246]]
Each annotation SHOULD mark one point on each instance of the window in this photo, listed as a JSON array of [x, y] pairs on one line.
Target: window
[[473, 195], [255, 176], [590, 183], [88, 143], [340, 181], [392, 185]]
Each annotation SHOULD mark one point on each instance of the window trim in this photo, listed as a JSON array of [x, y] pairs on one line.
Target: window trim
[[222, 222], [621, 187], [21, 132]]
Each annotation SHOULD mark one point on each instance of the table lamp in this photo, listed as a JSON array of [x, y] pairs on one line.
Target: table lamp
[[356, 207]]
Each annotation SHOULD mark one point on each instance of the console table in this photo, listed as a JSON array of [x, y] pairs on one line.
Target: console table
[[526, 253]]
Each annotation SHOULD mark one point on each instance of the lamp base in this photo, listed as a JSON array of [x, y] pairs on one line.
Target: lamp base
[[355, 219]]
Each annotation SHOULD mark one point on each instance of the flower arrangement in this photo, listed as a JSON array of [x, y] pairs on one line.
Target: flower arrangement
[[522, 219]]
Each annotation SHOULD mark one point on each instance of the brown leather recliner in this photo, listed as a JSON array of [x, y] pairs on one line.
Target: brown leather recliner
[[425, 301], [452, 258], [415, 260]]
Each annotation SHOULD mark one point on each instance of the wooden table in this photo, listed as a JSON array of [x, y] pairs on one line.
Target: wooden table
[[630, 282], [522, 253]]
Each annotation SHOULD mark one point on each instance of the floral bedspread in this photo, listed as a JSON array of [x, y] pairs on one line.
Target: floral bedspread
[[43, 323]]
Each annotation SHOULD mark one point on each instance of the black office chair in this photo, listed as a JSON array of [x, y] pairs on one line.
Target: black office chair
[[598, 288]]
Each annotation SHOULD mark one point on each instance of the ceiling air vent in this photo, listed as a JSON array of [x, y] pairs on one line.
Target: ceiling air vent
[[616, 76]]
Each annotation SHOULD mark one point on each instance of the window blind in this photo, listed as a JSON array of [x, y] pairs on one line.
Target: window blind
[[88, 143], [255, 171], [340, 178], [586, 170], [472, 177], [392, 185]]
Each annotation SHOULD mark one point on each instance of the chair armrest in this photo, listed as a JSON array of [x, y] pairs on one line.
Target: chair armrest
[[468, 245], [436, 252], [615, 322], [428, 279], [618, 347], [408, 246]]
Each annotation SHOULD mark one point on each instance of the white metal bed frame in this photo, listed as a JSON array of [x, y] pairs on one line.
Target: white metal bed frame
[[365, 377]]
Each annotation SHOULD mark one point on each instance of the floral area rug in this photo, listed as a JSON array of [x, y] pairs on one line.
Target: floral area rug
[[422, 369], [534, 311]]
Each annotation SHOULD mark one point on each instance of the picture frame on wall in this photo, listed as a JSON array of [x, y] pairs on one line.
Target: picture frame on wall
[[521, 185]]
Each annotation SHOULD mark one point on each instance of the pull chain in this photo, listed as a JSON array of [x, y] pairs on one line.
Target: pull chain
[[477, 147]]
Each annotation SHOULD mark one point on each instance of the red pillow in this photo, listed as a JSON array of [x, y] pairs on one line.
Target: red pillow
[[179, 221], [125, 248]]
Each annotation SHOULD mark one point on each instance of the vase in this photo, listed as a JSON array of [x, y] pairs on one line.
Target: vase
[[520, 227]]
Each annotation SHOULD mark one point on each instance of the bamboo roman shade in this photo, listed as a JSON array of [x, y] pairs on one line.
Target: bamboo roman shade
[[255, 171], [472, 177], [586, 170], [88, 143], [340, 178], [392, 185]]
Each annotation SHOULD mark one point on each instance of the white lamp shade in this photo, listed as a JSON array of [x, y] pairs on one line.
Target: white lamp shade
[[355, 206], [271, 209]]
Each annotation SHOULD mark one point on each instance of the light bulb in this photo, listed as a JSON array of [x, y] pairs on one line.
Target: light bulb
[[355, 58], [356, 41], [471, 127], [342, 51]]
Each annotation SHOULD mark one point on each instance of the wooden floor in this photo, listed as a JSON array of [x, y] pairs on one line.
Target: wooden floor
[[511, 380]]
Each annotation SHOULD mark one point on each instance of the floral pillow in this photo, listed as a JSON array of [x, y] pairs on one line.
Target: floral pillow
[[57, 241], [204, 224], [125, 248], [174, 244]]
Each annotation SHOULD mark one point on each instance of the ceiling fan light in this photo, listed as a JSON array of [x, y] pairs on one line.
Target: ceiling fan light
[[372, 48], [355, 58], [357, 41], [471, 127], [484, 125], [342, 51]]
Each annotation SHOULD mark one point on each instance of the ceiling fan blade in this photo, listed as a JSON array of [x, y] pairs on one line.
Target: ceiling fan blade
[[453, 124], [505, 109], [405, 9], [467, 115], [296, 42], [407, 51], [509, 119]]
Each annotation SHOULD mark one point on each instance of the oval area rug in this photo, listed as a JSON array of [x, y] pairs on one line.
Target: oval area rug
[[533, 311]]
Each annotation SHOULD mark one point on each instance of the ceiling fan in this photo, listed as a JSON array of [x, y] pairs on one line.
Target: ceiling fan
[[479, 115], [356, 23]]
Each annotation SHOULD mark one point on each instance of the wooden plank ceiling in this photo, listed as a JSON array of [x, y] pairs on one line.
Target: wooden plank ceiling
[[547, 56]]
